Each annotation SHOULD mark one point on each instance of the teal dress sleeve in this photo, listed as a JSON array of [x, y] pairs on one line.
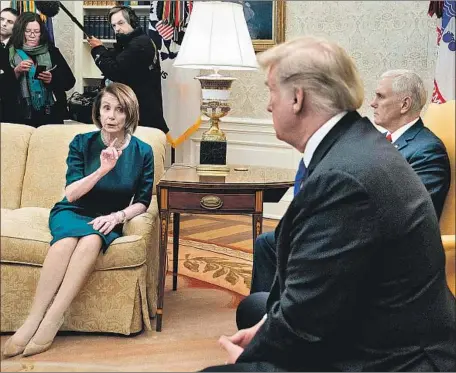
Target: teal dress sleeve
[[75, 161], [144, 191]]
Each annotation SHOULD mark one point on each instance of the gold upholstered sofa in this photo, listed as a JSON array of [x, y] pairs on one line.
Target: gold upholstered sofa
[[120, 295]]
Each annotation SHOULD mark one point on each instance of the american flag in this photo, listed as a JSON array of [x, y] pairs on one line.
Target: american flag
[[168, 22], [444, 89], [166, 31]]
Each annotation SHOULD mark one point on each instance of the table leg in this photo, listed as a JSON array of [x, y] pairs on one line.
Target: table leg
[[176, 219], [164, 219], [257, 222], [257, 217]]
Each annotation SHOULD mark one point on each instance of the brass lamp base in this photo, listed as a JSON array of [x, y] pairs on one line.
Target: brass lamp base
[[212, 170], [215, 91]]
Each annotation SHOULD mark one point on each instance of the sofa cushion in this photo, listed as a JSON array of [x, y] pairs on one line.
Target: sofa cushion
[[44, 179], [14, 144], [25, 238]]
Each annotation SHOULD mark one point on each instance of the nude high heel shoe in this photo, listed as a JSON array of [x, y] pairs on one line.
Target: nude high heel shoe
[[11, 349], [34, 348]]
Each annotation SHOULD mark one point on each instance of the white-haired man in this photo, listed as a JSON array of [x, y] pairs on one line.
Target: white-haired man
[[399, 98], [360, 281]]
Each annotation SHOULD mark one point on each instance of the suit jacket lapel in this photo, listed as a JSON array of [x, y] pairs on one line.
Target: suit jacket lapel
[[408, 135]]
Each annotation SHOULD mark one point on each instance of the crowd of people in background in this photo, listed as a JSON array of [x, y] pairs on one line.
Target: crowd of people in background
[[38, 76]]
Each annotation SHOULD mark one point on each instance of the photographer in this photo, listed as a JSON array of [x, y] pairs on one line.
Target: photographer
[[133, 61]]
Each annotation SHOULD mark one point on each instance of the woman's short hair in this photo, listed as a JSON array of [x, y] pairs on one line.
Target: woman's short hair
[[321, 68], [408, 83], [127, 99], [18, 35]]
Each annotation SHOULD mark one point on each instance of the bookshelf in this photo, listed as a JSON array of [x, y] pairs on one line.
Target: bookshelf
[[87, 73]]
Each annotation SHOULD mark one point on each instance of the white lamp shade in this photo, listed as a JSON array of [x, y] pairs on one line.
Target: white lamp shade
[[217, 37]]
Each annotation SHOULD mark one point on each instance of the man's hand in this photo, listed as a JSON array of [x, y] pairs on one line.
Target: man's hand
[[243, 337], [94, 42], [45, 76], [236, 344], [233, 350]]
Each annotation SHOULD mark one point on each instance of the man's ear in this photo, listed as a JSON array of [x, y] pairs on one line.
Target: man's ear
[[406, 104], [298, 100]]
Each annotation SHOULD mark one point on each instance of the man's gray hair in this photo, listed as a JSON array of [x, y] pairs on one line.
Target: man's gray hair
[[408, 83]]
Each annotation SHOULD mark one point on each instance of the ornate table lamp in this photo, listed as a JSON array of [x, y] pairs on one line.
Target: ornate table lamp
[[217, 38]]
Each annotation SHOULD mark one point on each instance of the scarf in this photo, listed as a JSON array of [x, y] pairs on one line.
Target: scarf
[[34, 93]]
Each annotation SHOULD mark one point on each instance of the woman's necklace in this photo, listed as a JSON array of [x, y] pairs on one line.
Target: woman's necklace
[[118, 145]]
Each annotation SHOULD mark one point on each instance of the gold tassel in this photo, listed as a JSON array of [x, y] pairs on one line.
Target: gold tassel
[[176, 142]]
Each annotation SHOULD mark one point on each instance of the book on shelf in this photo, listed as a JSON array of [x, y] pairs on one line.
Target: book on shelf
[[113, 3], [100, 27], [99, 3], [133, 3]]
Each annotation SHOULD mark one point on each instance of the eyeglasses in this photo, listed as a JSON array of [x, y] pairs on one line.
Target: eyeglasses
[[34, 32]]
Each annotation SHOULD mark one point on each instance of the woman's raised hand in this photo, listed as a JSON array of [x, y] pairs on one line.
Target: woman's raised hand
[[109, 157]]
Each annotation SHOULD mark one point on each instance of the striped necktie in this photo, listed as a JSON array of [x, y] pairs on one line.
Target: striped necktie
[[300, 175]]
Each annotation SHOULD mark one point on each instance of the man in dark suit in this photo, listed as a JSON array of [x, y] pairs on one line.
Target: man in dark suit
[[399, 98], [360, 282], [8, 81]]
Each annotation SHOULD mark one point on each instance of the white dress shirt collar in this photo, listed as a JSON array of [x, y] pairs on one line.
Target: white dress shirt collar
[[318, 137], [399, 132]]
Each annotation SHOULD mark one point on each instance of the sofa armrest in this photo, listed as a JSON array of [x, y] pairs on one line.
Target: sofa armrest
[[140, 225], [143, 224]]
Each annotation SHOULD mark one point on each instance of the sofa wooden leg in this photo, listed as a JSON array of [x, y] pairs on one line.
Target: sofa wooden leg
[[159, 320]]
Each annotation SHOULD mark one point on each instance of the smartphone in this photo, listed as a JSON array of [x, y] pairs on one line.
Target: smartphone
[[39, 70]]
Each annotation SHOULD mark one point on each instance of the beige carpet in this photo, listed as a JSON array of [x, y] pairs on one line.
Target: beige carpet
[[194, 318]]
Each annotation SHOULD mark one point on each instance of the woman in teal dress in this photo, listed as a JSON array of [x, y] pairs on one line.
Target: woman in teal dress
[[109, 180]]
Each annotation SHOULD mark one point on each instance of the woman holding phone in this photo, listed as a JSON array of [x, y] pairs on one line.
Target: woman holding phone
[[42, 73]]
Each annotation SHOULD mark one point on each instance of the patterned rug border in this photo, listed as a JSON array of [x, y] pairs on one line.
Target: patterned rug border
[[225, 250]]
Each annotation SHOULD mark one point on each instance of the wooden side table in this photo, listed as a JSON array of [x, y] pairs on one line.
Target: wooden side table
[[242, 191]]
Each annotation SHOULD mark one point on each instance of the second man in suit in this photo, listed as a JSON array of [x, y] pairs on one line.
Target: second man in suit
[[399, 98]]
